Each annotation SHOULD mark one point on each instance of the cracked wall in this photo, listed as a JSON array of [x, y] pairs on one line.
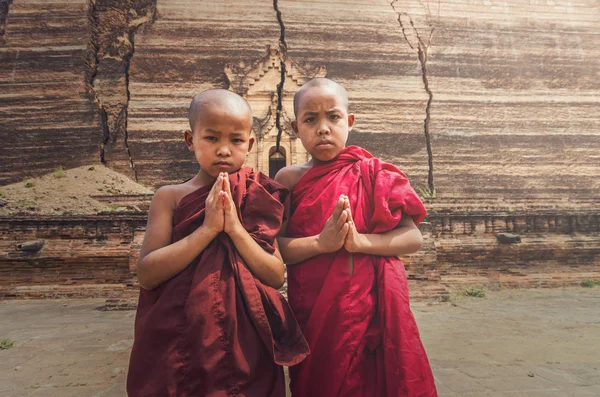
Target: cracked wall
[[113, 25], [4, 5], [507, 93], [280, 86], [419, 39]]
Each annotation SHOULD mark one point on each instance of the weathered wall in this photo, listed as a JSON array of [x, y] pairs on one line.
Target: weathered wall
[[514, 86], [97, 256], [47, 117]]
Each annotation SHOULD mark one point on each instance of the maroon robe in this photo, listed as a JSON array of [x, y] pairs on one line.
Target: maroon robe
[[214, 329], [356, 318]]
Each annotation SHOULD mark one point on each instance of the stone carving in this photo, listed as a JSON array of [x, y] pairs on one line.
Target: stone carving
[[257, 83]]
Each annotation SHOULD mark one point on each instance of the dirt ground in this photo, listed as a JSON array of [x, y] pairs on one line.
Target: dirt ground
[[67, 192], [512, 343]]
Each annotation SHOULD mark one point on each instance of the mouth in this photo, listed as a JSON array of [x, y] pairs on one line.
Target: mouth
[[324, 143], [222, 164]]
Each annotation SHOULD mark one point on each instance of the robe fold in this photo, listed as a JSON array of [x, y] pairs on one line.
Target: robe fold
[[214, 329], [354, 309]]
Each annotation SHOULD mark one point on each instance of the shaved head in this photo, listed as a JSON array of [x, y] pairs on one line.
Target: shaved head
[[320, 82], [217, 98]]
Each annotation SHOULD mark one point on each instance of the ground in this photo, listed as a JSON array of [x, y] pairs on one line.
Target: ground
[[512, 343], [68, 192]]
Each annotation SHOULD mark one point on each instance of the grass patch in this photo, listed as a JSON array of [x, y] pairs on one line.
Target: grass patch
[[29, 184], [425, 192], [92, 168], [474, 291], [1, 194], [590, 283], [6, 344], [59, 173], [114, 207]]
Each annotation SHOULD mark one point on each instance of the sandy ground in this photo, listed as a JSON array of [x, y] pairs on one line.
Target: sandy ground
[[67, 192], [513, 343]]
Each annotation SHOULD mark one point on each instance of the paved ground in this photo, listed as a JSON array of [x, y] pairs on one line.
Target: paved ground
[[510, 344]]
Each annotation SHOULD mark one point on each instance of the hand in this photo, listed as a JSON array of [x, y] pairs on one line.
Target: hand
[[354, 240], [232, 222], [335, 230], [214, 218]]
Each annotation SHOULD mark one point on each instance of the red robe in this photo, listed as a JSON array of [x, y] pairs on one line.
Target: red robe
[[214, 329], [362, 335]]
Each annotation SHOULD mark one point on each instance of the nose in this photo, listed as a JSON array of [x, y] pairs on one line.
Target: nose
[[223, 150], [323, 129]]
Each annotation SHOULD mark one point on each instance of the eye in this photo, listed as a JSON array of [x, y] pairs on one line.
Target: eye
[[210, 138], [237, 140], [309, 120], [335, 117]]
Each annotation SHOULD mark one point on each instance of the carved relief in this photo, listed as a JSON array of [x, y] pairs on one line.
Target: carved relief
[[257, 83]]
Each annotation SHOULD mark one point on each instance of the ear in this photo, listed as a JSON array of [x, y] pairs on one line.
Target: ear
[[250, 144], [188, 136], [350, 121], [295, 127]]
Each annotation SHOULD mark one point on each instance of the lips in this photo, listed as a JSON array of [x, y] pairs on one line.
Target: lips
[[324, 143], [222, 164]]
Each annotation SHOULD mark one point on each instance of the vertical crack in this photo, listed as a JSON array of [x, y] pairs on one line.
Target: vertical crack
[[282, 58], [416, 43], [113, 24], [3, 15]]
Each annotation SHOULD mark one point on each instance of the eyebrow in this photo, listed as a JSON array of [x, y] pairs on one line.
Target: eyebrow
[[332, 110]]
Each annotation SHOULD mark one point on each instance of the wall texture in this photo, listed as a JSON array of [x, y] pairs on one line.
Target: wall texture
[[511, 90]]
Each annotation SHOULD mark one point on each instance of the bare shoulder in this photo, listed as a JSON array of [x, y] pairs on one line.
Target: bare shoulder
[[165, 198], [289, 176], [168, 197]]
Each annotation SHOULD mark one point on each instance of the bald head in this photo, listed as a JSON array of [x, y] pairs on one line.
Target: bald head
[[223, 100], [320, 82]]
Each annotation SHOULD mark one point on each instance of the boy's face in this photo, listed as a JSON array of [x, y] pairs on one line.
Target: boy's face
[[323, 122], [220, 139]]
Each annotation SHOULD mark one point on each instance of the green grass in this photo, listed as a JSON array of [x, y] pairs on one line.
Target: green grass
[[92, 168], [6, 344], [474, 291], [59, 173], [425, 192], [590, 283], [29, 184], [1, 194]]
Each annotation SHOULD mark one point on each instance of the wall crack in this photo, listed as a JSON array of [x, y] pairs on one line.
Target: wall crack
[[113, 24], [4, 5], [416, 43], [282, 58]]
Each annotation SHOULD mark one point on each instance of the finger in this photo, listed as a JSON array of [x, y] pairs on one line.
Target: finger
[[341, 220], [220, 201], [349, 215], [215, 187], [226, 201], [343, 231], [226, 184], [339, 207]]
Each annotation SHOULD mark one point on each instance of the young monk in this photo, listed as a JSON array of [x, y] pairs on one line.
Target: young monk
[[352, 215], [209, 320]]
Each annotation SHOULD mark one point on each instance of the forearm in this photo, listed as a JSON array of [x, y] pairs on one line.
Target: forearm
[[268, 268], [162, 264], [295, 250], [397, 242]]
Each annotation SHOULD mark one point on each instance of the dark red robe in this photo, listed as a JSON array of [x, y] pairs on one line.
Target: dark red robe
[[214, 329], [362, 335]]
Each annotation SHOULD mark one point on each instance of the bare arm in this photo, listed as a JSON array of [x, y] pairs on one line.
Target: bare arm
[[331, 239], [160, 259], [268, 268], [405, 239]]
